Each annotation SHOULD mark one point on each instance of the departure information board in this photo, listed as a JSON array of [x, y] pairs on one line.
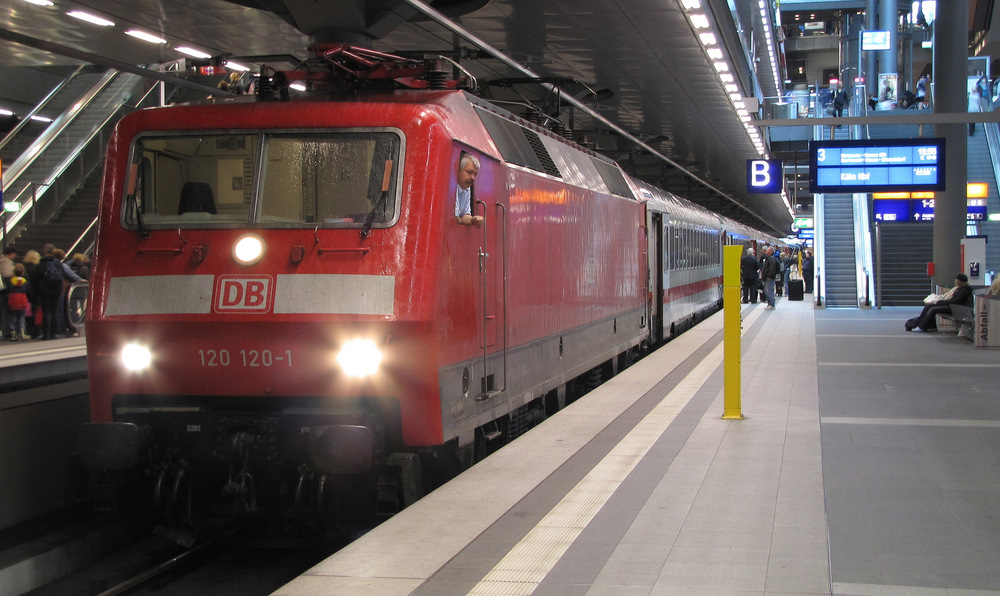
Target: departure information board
[[881, 165]]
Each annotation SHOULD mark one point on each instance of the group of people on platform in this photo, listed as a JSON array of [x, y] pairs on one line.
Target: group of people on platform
[[769, 275], [32, 299]]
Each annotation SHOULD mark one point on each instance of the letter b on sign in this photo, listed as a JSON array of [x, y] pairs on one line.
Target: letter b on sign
[[764, 176], [246, 294]]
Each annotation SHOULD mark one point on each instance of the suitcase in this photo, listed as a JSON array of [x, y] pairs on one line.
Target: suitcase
[[795, 289]]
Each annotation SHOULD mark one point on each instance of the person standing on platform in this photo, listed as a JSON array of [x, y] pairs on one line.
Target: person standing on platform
[[749, 277], [787, 261], [17, 303], [6, 273], [69, 277], [769, 270], [34, 323], [50, 279], [807, 271]]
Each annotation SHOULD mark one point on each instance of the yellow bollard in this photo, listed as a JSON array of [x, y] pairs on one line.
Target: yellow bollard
[[731, 332]]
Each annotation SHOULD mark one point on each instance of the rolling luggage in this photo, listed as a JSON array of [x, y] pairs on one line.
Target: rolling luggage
[[795, 289]]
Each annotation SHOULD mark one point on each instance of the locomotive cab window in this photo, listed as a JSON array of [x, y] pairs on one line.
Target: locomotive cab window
[[329, 179]]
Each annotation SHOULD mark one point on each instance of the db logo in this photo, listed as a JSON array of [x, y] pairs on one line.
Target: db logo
[[239, 293]]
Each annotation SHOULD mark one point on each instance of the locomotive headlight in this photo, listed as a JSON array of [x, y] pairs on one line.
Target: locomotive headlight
[[248, 249], [136, 357], [359, 358]]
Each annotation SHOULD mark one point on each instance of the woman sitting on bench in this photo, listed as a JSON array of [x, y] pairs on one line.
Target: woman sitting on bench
[[960, 294]]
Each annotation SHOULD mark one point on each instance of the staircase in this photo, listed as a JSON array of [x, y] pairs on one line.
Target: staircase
[[76, 214], [905, 250]]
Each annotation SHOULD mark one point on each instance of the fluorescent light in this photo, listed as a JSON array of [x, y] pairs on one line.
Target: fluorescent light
[[94, 19], [720, 66], [698, 21], [237, 66], [297, 86], [691, 4], [6, 112], [714, 53], [41, 118], [145, 36], [192, 52], [39, 2]]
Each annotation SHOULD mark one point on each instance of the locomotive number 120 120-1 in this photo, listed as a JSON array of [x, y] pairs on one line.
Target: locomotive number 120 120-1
[[244, 358]]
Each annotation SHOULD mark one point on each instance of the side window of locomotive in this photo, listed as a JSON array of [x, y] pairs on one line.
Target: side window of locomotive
[[330, 179], [193, 179]]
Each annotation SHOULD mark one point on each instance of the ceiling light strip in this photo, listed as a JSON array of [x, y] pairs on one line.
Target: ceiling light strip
[[442, 20], [90, 18], [702, 25]]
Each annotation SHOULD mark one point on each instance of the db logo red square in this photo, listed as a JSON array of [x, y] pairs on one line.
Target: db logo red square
[[243, 293]]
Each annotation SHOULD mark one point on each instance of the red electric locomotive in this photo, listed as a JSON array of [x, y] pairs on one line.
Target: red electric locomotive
[[288, 307]]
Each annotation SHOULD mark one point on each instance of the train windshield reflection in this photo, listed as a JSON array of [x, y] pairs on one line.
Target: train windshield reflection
[[330, 179]]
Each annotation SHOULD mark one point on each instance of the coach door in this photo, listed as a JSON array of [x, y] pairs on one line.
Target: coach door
[[493, 279], [656, 277]]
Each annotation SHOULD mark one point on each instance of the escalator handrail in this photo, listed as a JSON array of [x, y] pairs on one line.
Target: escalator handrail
[[43, 142], [41, 105]]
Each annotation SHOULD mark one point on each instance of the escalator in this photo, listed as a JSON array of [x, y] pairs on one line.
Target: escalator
[[50, 167], [839, 264]]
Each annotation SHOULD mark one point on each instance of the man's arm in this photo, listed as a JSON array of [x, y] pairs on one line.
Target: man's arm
[[470, 220]]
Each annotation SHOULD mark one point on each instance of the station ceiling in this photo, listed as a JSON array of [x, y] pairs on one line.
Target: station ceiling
[[654, 81]]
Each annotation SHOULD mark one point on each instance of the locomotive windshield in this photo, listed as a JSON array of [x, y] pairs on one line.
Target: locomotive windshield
[[287, 179]]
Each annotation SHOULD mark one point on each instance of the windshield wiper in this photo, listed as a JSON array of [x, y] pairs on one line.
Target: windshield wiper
[[131, 202], [380, 204]]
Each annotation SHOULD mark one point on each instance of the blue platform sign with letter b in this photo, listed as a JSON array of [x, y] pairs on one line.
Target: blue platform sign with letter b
[[764, 176]]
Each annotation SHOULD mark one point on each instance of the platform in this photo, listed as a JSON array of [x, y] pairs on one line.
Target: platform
[[867, 463]]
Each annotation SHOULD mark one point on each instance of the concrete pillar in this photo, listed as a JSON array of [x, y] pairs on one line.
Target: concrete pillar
[[951, 40], [871, 69], [887, 22]]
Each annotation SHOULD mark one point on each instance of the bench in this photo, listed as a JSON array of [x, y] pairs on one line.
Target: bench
[[962, 318]]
